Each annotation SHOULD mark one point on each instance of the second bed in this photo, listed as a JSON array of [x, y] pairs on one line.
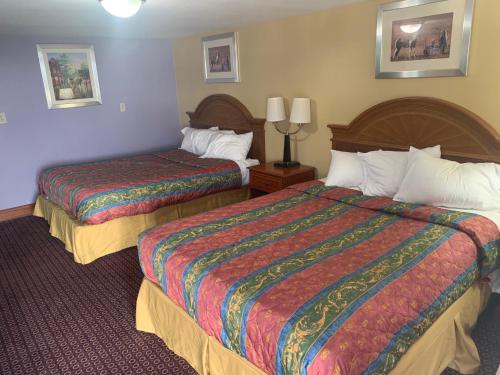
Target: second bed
[[100, 208]]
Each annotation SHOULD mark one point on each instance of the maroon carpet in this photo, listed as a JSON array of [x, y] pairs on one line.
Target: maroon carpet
[[59, 317]]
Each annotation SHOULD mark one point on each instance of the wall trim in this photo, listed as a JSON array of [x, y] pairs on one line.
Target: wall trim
[[17, 212]]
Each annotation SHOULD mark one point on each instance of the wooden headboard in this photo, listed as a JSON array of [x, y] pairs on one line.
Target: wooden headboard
[[228, 113], [420, 122]]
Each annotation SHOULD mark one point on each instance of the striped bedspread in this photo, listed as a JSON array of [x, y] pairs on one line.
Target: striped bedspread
[[319, 280], [101, 191]]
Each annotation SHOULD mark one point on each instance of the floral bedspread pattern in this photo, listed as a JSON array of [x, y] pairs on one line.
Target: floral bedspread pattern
[[319, 280], [105, 190]]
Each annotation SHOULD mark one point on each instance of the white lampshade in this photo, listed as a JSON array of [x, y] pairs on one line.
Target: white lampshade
[[275, 109], [301, 111], [122, 8]]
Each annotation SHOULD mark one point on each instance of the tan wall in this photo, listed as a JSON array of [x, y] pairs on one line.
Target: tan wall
[[329, 57]]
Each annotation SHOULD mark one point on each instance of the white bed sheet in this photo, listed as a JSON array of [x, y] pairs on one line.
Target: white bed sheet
[[244, 165], [492, 215], [495, 217]]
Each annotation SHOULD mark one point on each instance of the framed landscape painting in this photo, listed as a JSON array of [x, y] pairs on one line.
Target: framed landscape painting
[[220, 58], [69, 75], [423, 38]]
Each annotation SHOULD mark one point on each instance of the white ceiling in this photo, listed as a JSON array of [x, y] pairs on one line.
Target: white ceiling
[[156, 19]]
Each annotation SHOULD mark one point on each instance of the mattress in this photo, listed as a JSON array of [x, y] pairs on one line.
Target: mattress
[[313, 279], [101, 191]]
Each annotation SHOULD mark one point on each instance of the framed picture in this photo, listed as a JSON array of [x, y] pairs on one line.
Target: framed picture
[[423, 38], [69, 75], [220, 58]]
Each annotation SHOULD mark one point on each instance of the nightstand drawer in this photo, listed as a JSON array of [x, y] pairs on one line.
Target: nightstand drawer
[[265, 182], [267, 178]]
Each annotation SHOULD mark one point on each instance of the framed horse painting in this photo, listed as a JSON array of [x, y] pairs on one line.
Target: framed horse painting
[[423, 38], [220, 58]]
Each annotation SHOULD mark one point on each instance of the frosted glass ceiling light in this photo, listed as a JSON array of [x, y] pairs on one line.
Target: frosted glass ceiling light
[[411, 28], [122, 8]]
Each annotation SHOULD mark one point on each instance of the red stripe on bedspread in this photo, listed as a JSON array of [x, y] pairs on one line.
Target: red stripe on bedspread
[[288, 296], [101, 191], [319, 280]]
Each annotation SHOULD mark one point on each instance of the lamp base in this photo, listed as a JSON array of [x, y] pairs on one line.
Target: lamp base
[[286, 164]]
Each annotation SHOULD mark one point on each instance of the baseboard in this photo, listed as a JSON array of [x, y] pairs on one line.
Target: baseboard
[[16, 212]]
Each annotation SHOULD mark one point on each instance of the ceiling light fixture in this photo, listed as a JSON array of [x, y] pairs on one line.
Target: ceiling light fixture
[[122, 8], [411, 28]]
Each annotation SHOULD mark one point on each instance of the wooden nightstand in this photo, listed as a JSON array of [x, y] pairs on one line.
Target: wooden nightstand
[[266, 178]]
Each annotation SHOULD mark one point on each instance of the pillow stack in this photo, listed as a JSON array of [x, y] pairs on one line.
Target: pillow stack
[[418, 176], [384, 170], [215, 143], [377, 173], [197, 140], [230, 146]]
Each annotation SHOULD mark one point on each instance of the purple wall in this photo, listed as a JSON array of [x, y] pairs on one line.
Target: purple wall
[[137, 72]]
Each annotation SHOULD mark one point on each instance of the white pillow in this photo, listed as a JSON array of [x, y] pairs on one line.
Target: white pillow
[[446, 183], [226, 131], [384, 170], [197, 140], [345, 170], [191, 133], [230, 146]]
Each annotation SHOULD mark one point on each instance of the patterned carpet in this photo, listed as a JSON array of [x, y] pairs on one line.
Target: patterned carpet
[[58, 317]]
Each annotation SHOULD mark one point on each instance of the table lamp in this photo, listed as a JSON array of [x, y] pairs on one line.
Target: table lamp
[[300, 115]]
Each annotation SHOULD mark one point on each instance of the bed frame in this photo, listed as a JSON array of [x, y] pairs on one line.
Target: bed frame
[[89, 242], [392, 125], [421, 122]]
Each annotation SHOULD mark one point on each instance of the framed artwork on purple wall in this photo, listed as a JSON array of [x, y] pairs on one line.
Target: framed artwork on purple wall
[[423, 38], [220, 58], [69, 75]]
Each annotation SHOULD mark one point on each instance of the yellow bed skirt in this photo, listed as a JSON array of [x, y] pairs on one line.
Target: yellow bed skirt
[[88, 242], [447, 343]]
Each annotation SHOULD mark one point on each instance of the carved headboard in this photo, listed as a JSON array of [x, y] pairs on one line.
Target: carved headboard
[[420, 122], [228, 113]]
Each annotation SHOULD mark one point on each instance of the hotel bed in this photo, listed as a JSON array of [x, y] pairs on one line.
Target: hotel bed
[[99, 208], [325, 280]]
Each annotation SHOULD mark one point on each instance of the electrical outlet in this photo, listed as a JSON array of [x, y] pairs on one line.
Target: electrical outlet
[[3, 118], [123, 107]]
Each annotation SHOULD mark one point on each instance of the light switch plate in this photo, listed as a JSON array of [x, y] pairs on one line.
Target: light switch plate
[[123, 107], [3, 118]]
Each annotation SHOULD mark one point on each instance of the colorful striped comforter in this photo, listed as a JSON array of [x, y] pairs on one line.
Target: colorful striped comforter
[[101, 191], [319, 280]]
